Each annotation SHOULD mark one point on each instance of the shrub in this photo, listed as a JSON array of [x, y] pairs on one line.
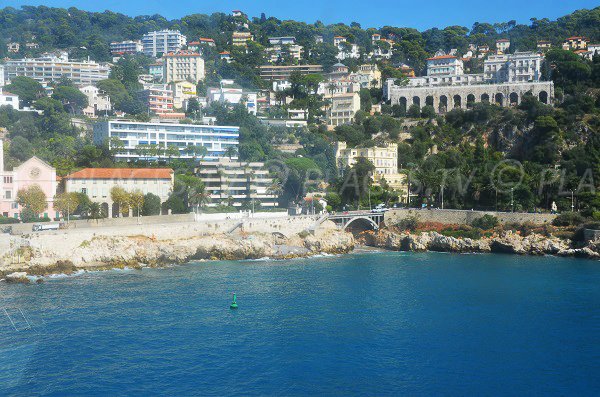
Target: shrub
[[7, 220], [472, 233], [485, 222], [151, 205], [409, 223], [568, 219]]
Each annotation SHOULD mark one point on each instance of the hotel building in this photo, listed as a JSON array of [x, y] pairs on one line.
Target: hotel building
[[271, 72], [137, 135]]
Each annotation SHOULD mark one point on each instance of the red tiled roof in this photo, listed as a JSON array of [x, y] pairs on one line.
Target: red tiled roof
[[193, 42], [122, 173], [224, 53], [577, 38], [442, 57], [205, 39], [502, 41], [183, 54]]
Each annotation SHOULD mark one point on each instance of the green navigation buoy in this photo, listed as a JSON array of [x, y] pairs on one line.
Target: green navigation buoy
[[234, 303]]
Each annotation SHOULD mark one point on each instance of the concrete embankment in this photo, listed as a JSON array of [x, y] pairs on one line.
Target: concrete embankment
[[169, 243]]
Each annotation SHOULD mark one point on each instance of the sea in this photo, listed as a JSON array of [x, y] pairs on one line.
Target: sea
[[365, 324]]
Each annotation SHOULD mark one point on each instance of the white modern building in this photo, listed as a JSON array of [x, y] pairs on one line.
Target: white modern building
[[48, 69], [183, 65], [231, 93], [163, 42], [237, 183], [137, 135], [126, 47]]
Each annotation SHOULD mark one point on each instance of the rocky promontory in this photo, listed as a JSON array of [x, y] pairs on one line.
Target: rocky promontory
[[505, 242]]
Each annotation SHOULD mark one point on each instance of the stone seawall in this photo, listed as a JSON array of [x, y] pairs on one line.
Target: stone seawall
[[463, 216]]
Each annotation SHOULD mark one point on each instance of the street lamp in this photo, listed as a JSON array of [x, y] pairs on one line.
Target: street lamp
[[572, 202], [442, 196], [512, 201]]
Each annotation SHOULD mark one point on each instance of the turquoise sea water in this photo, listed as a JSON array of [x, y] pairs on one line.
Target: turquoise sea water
[[366, 324]]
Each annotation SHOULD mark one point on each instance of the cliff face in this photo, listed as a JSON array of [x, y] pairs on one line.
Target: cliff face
[[508, 242]]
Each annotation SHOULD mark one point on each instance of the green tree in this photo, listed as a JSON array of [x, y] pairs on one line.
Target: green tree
[[33, 198], [26, 88], [151, 205], [120, 197], [72, 99], [66, 203]]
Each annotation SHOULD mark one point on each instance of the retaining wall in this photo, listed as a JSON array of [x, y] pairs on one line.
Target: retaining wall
[[463, 216]]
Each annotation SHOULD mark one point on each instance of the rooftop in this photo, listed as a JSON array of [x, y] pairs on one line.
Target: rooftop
[[122, 173], [441, 57]]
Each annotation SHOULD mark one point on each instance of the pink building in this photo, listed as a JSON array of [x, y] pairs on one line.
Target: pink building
[[32, 172]]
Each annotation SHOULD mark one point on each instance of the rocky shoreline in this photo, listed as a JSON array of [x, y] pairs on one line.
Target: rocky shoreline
[[507, 242], [104, 252]]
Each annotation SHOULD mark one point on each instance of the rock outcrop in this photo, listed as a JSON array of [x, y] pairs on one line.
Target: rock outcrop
[[507, 242]]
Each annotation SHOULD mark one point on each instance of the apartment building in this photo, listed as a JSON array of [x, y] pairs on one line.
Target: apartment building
[[158, 97], [241, 38], [136, 136], [163, 42], [97, 183], [237, 184], [32, 172], [283, 48], [502, 46], [52, 68], [342, 109], [183, 65], [517, 67], [183, 91], [126, 47], [272, 72], [444, 65], [384, 158], [157, 71]]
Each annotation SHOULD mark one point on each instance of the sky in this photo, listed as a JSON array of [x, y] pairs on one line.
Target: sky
[[401, 13]]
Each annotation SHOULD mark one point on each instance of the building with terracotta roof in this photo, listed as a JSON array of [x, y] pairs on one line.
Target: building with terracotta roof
[[183, 66], [97, 183], [575, 43]]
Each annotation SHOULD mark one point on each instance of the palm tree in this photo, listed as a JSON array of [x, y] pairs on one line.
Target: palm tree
[[230, 151]]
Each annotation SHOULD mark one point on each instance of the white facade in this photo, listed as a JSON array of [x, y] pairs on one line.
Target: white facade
[[444, 65], [96, 101], [50, 69], [215, 138], [237, 183], [513, 68], [229, 92], [8, 99], [342, 109], [163, 42], [183, 65], [126, 47]]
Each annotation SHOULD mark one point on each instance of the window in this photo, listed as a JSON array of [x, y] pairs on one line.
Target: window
[[8, 194]]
